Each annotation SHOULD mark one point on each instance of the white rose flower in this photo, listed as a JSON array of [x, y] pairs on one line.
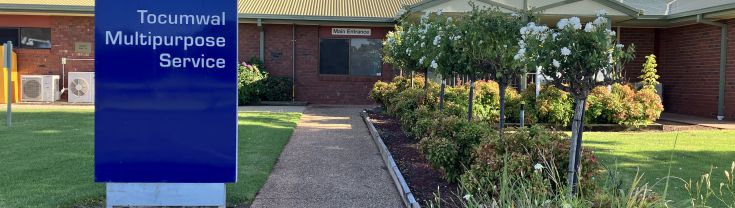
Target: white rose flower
[[612, 33], [589, 27], [524, 30], [599, 21], [575, 22], [437, 40], [538, 166], [562, 23], [565, 51], [556, 63], [601, 12], [421, 60], [434, 64], [619, 46]]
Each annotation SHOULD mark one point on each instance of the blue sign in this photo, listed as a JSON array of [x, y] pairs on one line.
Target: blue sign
[[166, 91]]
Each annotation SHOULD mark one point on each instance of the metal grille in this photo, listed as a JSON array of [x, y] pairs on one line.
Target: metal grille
[[32, 89]]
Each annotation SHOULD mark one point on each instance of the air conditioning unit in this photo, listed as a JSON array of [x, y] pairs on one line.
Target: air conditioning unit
[[81, 87], [39, 88]]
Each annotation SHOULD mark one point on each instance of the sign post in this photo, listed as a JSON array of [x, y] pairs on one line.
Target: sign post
[[9, 66], [166, 101]]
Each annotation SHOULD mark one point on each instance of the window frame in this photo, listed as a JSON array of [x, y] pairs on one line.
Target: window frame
[[349, 57], [19, 37]]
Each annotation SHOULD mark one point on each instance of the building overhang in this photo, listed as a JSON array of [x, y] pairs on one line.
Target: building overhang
[[621, 14]]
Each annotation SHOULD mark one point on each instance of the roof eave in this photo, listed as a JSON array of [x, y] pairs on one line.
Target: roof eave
[[720, 8], [317, 18], [35, 8]]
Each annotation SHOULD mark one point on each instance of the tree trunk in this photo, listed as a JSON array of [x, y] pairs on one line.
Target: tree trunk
[[575, 149], [441, 95], [503, 86], [412, 76], [426, 83], [471, 96]]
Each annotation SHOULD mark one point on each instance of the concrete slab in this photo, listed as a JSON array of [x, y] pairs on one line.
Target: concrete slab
[[274, 109], [708, 122], [330, 161]]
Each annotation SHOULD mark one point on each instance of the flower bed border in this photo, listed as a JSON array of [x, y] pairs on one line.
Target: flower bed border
[[408, 199]]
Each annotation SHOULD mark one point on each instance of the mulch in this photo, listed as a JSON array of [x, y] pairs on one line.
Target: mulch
[[422, 179]]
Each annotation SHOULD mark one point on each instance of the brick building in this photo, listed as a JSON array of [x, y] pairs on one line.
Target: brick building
[[331, 48]]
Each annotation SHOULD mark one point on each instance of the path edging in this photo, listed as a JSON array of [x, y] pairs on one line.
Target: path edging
[[408, 199]]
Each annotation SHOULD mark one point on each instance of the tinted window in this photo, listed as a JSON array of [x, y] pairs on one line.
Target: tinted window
[[9, 34], [365, 58], [334, 55]]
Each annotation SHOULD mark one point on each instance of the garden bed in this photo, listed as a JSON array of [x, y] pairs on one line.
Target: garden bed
[[421, 178]]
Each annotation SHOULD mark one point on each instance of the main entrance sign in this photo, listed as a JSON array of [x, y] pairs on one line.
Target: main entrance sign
[[166, 102]]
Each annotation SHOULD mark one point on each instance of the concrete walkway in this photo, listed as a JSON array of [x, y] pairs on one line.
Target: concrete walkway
[[708, 122], [274, 109], [330, 161]]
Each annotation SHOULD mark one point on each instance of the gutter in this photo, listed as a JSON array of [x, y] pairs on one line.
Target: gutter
[[723, 64]]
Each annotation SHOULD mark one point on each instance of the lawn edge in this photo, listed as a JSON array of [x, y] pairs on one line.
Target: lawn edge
[[406, 196]]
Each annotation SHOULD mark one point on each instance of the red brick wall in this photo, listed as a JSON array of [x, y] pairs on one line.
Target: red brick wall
[[689, 64], [643, 39], [65, 32], [310, 85], [248, 42]]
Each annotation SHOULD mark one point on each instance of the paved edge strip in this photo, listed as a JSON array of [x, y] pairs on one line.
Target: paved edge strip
[[408, 199]]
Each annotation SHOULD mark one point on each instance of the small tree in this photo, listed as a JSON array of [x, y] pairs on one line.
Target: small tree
[[446, 55], [578, 59], [493, 48], [649, 76]]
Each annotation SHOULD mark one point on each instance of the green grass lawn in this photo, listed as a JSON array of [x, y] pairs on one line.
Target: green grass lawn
[[47, 158], [650, 152]]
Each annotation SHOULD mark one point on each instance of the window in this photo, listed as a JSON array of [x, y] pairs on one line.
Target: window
[[38, 38], [9, 34], [35, 38], [358, 57], [334, 56]]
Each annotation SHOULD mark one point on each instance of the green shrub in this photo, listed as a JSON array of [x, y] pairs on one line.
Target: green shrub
[[528, 96], [404, 105], [425, 121], [459, 134], [276, 89], [512, 105], [249, 83], [649, 107], [524, 148], [554, 106], [381, 92], [487, 101], [623, 105], [603, 106], [442, 154]]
